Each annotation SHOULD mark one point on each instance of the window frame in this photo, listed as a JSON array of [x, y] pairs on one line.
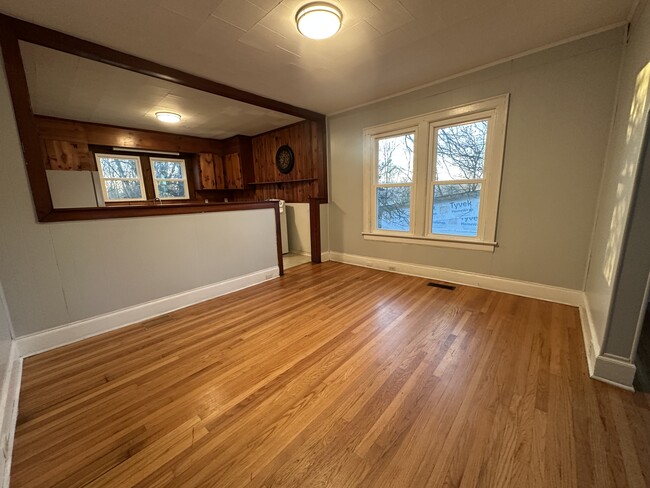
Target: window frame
[[376, 184], [152, 159], [495, 110], [102, 178]]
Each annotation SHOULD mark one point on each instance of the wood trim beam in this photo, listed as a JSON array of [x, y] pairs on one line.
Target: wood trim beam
[[46, 37], [314, 228]]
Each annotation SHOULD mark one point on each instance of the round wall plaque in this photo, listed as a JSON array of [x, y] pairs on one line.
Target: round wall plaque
[[284, 159]]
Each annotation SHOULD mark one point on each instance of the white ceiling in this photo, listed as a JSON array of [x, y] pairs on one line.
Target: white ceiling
[[70, 87], [385, 46]]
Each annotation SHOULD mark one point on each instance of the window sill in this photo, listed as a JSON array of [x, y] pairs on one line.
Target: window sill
[[430, 241]]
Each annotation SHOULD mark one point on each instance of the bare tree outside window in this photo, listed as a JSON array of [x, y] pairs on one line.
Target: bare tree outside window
[[459, 165], [395, 176]]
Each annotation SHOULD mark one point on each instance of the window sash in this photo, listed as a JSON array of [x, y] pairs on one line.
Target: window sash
[[103, 179], [183, 179], [376, 184]]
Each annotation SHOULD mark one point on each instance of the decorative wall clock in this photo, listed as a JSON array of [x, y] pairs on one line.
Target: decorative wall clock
[[284, 159]]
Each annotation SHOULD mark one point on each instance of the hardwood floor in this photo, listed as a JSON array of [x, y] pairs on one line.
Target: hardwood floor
[[333, 376]]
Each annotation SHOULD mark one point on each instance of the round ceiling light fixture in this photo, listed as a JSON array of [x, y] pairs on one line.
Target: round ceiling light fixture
[[169, 117], [318, 20]]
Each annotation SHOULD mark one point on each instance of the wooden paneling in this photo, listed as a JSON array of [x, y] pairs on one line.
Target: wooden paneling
[[333, 376], [64, 155], [233, 170], [305, 139], [207, 171], [107, 135]]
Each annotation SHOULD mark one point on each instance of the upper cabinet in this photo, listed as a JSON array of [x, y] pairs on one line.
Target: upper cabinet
[[238, 162], [229, 169]]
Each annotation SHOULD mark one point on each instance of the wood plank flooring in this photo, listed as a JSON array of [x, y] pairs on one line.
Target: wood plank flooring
[[333, 376]]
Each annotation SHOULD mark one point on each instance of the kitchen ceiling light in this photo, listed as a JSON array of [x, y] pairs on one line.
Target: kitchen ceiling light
[[318, 20], [169, 117]]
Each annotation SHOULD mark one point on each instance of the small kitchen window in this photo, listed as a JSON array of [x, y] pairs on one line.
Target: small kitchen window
[[169, 178], [120, 178]]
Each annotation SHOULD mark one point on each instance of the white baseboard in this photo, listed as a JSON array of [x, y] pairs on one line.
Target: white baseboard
[[603, 367], [82, 329], [592, 344], [325, 256], [496, 283], [9, 394], [614, 371]]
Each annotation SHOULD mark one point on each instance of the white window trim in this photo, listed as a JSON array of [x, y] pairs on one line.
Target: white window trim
[[186, 195], [496, 110], [102, 179]]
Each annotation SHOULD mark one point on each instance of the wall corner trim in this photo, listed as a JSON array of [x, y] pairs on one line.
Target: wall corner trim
[[607, 368], [615, 371], [549, 293], [32, 344], [9, 394]]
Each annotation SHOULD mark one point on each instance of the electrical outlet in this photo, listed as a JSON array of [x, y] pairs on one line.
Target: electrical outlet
[[391, 268]]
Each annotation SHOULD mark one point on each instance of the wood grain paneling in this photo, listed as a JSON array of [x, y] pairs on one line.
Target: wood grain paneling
[[305, 144], [333, 376], [233, 170], [51, 128], [64, 155], [207, 171]]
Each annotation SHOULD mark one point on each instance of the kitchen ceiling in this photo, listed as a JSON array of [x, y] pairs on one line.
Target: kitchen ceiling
[[67, 86], [384, 46]]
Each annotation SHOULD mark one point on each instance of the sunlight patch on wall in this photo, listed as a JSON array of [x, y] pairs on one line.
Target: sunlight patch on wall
[[634, 137]]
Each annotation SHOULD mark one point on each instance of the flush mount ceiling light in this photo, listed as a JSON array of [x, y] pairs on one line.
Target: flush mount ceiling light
[[318, 20], [169, 117]]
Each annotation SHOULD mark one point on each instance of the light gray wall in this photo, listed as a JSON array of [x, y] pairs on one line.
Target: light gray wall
[[560, 111], [54, 274], [633, 103], [5, 338], [298, 227]]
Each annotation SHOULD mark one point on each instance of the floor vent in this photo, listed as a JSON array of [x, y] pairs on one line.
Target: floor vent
[[441, 285]]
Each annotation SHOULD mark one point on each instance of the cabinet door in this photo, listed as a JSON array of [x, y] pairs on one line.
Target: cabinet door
[[234, 176], [211, 170], [219, 177], [206, 168]]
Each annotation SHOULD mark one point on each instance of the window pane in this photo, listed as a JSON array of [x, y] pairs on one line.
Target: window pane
[[394, 208], [455, 209], [119, 167], [171, 189], [460, 151], [395, 159], [121, 189], [167, 169]]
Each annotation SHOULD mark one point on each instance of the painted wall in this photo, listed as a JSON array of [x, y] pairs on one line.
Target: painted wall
[[54, 274], [622, 163], [605, 293], [298, 227], [560, 111], [5, 337]]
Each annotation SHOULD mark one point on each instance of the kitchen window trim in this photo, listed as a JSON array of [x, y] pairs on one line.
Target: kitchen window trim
[[152, 159], [496, 110], [102, 178]]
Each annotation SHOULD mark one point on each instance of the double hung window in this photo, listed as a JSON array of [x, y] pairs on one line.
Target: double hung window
[[435, 179]]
